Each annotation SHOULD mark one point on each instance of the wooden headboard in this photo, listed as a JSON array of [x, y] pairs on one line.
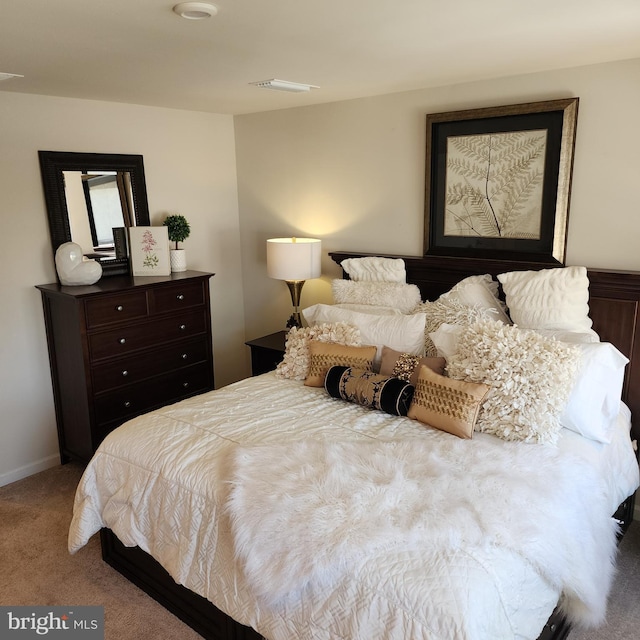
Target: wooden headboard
[[614, 299]]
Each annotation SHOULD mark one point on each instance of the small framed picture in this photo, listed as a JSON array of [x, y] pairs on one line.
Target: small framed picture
[[149, 247]]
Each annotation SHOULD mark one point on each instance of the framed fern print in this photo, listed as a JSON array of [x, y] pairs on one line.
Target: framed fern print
[[498, 181]]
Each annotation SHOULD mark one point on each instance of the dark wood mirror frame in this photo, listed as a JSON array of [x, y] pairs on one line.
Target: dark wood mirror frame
[[53, 163]]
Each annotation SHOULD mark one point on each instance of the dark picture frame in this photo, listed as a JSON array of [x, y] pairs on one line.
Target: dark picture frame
[[498, 181]]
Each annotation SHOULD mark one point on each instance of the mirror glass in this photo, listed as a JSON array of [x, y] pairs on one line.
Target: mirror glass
[[92, 199]]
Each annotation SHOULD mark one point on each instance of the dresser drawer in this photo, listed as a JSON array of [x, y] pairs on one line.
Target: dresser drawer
[[143, 396], [126, 339], [182, 296], [138, 366], [119, 307]]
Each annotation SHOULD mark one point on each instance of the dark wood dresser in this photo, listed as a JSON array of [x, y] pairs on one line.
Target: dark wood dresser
[[122, 347]]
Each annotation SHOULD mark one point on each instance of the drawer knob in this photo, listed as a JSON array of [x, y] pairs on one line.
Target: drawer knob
[[127, 404], [183, 327], [180, 296], [119, 307], [184, 356], [185, 384], [125, 373], [122, 340]]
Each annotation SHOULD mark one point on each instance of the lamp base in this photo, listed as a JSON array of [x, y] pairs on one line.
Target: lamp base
[[295, 287], [294, 321]]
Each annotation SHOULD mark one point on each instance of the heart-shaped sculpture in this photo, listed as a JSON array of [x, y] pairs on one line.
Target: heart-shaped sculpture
[[73, 268]]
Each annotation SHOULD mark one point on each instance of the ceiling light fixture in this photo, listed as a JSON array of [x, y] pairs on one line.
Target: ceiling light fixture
[[284, 85], [8, 76], [195, 10]]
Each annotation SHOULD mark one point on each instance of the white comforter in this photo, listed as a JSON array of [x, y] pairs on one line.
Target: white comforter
[[163, 482]]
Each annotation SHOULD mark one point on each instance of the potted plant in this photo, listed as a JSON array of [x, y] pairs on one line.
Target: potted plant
[[178, 229]]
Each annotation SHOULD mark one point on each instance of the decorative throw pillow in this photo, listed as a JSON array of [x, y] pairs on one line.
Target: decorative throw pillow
[[530, 377], [295, 363], [449, 311], [480, 292], [400, 332], [369, 389], [375, 269], [407, 366], [446, 404], [555, 298], [324, 355], [397, 295]]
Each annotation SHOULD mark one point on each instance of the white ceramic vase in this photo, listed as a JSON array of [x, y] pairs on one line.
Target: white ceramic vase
[[178, 259], [73, 268]]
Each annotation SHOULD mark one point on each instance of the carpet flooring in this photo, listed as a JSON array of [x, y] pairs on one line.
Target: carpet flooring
[[36, 569]]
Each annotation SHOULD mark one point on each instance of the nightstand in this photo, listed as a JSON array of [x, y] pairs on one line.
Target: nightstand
[[266, 352]]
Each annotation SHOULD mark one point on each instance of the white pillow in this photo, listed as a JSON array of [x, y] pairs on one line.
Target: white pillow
[[403, 333], [530, 377], [594, 402], [480, 292], [375, 269], [445, 339], [555, 298], [397, 295]]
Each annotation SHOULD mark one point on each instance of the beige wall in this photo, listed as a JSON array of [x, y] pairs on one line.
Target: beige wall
[[352, 173], [190, 168]]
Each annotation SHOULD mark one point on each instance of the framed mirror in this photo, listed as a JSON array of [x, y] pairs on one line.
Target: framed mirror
[[91, 199]]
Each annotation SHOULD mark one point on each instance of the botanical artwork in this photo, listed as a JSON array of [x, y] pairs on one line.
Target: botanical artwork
[[494, 185], [149, 251], [148, 246]]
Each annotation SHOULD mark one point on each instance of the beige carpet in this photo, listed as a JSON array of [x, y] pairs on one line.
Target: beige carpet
[[36, 569]]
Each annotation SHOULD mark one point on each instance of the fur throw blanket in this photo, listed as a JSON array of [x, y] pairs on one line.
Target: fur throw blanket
[[305, 512]]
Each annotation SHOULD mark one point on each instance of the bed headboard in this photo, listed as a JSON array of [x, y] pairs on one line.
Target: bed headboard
[[614, 302]]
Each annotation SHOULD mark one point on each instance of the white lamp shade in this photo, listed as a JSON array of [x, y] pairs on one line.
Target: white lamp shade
[[293, 258]]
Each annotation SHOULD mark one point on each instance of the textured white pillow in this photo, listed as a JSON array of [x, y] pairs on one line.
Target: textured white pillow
[[397, 295], [594, 402], [449, 311], [548, 299], [375, 269], [296, 360], [480, 292], [403, 333], [530, 377]]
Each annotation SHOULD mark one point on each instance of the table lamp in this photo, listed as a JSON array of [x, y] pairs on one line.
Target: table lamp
[[293, 260]]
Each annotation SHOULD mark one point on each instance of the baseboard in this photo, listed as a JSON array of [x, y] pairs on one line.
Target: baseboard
[[29, 470]]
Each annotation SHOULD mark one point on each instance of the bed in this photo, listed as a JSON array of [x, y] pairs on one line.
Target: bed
[[184, 500]]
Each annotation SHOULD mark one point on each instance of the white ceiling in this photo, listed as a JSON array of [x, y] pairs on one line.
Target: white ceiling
[[139, 51]]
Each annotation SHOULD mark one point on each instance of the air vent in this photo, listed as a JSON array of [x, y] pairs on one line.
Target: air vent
[[284, 85]]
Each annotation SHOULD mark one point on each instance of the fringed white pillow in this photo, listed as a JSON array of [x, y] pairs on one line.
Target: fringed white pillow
[[449, 311], [297, 359], [482, 292], [397, 295], [530, 377], [375, 269]]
